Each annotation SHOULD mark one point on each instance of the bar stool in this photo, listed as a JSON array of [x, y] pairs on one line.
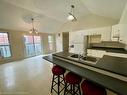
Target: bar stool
[[72, 84], [90, 88], [58, 78]]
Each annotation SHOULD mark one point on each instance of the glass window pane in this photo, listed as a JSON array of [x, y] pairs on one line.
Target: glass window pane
[[50, 41], [37, 39], [33, 45], [28, 39], [4, 45]]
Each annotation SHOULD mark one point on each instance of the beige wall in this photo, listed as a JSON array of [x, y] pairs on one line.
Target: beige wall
[[18, 47], [123, 19], [65, 37], [45, 44], [59, 42]]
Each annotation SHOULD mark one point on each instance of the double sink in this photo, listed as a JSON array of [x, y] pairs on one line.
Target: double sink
[[88, 59]]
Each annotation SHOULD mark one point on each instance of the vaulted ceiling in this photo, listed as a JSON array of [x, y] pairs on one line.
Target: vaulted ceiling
[[51, 14]]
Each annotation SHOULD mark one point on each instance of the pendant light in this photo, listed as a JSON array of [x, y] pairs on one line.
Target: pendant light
[[71, 16], [33, 30]]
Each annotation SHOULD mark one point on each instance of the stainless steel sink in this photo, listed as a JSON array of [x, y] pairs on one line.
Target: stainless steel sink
[[88, 59], [75, 56]]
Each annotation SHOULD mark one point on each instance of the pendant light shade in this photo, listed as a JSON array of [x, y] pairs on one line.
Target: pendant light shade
[[71, 16]]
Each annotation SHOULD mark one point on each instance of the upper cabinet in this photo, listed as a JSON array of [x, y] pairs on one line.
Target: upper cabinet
[[96, 35], [115, 34], [118, 34], [77, 37]]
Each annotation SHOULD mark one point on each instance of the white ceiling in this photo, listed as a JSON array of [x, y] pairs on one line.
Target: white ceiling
[[53, 13], [107, 8]]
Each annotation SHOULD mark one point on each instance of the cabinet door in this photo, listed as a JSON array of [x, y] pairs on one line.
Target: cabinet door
[[123, 37], [116, 54], [96, 53], [106, 33], [89, 52], [115, 33]]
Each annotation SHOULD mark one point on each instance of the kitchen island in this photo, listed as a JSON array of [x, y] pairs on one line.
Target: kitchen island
[[106, 72]]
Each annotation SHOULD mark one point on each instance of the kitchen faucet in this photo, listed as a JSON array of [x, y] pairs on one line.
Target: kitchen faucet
[[80, 55]]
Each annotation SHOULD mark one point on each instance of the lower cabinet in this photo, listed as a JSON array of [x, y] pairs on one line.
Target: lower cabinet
[[96, 53], [116, 54], [99, 53]]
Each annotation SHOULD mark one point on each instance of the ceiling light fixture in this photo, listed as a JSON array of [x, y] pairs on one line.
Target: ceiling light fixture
[[71, 16], [33, 30]]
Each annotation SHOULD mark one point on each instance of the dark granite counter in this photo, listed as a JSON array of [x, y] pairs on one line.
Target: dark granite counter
[[116, 65], [108, 82], [114, 50]]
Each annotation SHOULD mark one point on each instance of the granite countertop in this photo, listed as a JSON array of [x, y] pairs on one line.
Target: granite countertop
[[108, 82], [114, 50], [116, 65]]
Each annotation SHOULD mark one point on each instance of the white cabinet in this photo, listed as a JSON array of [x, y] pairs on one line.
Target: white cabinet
[[101, 53], [123, 33], [95, 53], [115, 34], [116, 54], [77, 37], [118, 33], [105, 33]]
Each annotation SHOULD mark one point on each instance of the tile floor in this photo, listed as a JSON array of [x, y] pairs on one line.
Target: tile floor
[[30, 76]]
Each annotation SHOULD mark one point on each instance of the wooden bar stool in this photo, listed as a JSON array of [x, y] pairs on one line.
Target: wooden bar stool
[[90, 88], [58, 79], [72, 84]]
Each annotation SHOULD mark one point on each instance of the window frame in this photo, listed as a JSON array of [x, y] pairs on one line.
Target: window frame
[[10, 45], [51, 42], [33, 43]]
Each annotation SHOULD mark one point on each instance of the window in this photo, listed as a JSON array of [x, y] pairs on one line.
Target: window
[[37, 43], [33, 45], [4, 46], [50, 41]]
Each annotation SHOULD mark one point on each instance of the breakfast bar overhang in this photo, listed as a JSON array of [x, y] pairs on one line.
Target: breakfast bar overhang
[[114, 84]]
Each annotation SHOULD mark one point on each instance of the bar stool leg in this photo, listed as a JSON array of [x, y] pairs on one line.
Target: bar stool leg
[[73, 89], [65, 88], [52, 83], [58, 84], [79, 89]]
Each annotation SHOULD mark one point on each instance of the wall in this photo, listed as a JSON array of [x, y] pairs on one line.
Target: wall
[[105, 33], [59, 40], [88, 25], [123, 22], [18, 47], [45, 44], [77, 38], [65, 42]]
